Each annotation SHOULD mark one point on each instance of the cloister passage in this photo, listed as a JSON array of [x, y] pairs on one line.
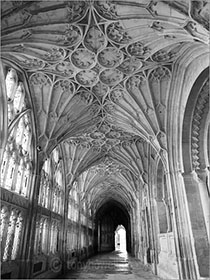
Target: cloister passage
[[104, 121], [108, 217]]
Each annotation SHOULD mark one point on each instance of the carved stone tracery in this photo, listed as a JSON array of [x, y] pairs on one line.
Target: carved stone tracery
[[196, 141], [85, 50]]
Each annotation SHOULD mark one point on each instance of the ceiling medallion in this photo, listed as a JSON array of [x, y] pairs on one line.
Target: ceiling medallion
[[130, 65], [96, 135], [70, 36], [104, 127], [87, 77], [100, 89], [116, 94], [83, 59], [138, 50], [110, 57], [111, 77], [94, 39], [117, 34], [108, 167]]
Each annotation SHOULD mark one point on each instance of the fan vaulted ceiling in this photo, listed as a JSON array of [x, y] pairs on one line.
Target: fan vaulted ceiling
[[99, 74]]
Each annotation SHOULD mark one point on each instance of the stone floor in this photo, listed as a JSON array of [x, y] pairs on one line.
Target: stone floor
[[111, 266]]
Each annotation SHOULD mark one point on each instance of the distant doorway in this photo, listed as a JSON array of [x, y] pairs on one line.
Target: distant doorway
[[120, 239]]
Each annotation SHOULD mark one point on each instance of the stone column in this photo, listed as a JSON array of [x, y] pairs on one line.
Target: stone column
[[27, 270], [3, 113], [65, 229], [185, 251], [197, 222], [203, 177], [138, 225]]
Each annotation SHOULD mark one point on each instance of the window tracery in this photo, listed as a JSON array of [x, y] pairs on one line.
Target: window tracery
[[45, 185], [70, 206], [16, 167], [54, 238], [73, 207], [69, 238], [17, 236], [4, 219], [83, 215], [37, 237], [15, 94], [41, 236], [51, 193], [11, 233], [44, 236]]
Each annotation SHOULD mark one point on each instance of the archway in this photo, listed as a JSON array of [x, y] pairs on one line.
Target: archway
[[108, 218], [120, 239], [195, 139]]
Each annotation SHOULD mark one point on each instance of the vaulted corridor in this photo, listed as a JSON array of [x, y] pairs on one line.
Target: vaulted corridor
[[104, 139]]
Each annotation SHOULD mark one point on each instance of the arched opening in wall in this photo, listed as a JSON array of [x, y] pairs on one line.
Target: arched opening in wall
[[120, 239], [110, 215], [196, 163]]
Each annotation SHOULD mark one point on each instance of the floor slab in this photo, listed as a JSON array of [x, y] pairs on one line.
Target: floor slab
[[111, 266]]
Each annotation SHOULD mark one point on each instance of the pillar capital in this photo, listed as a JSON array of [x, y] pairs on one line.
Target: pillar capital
[[202, 174]]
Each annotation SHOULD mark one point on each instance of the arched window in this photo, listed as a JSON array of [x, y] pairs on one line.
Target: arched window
[[15, 94], [51, 194], [16, 167]]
